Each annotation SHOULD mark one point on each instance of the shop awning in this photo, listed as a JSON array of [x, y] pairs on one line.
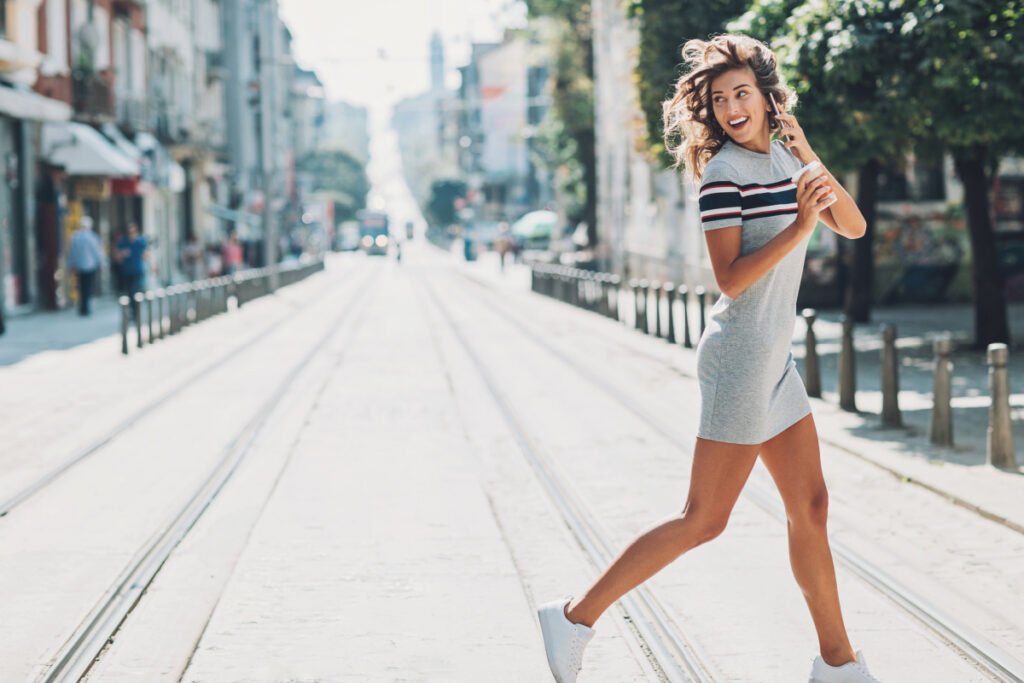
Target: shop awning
[[82, 150], [25, 104], [234, 215]]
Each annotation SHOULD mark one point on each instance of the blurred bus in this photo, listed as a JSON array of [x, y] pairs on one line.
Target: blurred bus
[[373, 232]]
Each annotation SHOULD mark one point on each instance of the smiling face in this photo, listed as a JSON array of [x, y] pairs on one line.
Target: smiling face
[[740, 108]]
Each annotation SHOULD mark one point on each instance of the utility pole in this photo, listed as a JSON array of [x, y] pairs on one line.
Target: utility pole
[[268, 165]]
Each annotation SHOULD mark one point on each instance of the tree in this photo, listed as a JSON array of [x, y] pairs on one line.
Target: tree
[[965, 69], [440, 209], [574, 94], [341, 174], [841, 57], [665, 25]]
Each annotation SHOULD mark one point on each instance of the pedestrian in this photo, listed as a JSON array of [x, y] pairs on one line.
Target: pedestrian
[[85, 257], [231, 254], [214, 263], [192, 258], [132, 250], [757, 221], [503, 243]]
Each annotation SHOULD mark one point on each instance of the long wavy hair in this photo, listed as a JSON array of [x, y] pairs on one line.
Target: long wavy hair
[[692, 134]]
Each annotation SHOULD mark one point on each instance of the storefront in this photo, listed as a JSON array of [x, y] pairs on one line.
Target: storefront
[[20, 110], [94, 168]]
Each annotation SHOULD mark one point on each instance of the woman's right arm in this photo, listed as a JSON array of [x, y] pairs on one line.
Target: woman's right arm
[[734, 273]]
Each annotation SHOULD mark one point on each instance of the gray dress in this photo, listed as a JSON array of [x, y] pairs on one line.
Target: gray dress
[[749, 385]]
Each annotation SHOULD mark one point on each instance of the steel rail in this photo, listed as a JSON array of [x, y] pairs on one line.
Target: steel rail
[[972, 644], [675, 657], [236, 351], [89, 639]]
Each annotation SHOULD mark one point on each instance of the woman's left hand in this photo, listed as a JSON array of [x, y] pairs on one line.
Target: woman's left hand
[[797, 141]]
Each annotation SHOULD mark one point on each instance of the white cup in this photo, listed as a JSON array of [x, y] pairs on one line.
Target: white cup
[[812, 167]]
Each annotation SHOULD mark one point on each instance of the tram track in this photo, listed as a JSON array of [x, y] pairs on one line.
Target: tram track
[[88, 640], [971, 644], [674, 657], [237, 351]]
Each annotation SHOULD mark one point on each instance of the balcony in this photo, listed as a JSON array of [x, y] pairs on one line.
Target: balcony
[[132, 113], [92, 97]]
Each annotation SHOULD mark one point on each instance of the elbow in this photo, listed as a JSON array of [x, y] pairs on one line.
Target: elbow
[[856, 230], [728, 288]]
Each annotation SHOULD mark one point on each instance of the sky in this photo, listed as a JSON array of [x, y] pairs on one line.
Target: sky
[[374, 52]]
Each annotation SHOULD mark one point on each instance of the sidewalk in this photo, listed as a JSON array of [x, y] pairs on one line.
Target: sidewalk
[[57, 330], [916, 329], [959, 473]]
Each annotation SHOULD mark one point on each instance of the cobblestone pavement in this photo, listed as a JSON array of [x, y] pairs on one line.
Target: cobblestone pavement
[[960, 472], [390, 521], [917, 328]]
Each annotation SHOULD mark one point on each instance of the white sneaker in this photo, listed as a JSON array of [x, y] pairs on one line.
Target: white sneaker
[[851, 672], [563, 640]]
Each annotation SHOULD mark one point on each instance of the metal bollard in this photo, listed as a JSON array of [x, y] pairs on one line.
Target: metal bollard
[[614, 281], [670, 295], [606, 290], [847, 368], [634, 287], [684, 299], [179, 306], [891, 416], [188, 301], [161, 297], [202, 301], [137, 307], [999, 450], [656, 291], [149, 317], [125, 303], [645, 288], [941, 427], [702, 304], [812, 372]]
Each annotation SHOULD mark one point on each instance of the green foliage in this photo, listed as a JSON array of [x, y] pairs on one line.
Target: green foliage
[[967, 64], [566, 144], [665, 25], [842, 58], [440, 208], [554, 149], [342, 175]]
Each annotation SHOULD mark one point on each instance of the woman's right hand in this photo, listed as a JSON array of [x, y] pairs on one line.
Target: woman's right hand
[[813, 195]]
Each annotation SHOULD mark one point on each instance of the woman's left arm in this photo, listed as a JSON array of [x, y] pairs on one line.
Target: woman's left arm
[[843, 217]]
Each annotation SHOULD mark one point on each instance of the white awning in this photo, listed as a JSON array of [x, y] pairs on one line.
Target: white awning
[[82, 150], [168, 173], [25, 104]]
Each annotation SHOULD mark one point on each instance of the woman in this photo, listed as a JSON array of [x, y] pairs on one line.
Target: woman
[[757, 223]]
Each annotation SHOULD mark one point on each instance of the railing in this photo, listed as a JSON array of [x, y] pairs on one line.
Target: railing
[[649, 307], [91, 96], [169, 310]]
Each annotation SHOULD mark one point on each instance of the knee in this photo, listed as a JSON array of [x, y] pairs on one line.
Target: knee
[[706, 526], [812, 512]]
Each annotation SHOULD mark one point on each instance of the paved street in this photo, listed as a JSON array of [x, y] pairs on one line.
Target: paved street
[[427, 450]]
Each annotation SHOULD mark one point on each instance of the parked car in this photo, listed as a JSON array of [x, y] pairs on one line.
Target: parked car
[[535, 229]]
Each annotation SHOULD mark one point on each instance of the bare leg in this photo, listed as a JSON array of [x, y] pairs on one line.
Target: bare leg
[[794, 461], [718, 474]]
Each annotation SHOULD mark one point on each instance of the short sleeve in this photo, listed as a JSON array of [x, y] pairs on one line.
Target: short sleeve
[[719, 198]]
